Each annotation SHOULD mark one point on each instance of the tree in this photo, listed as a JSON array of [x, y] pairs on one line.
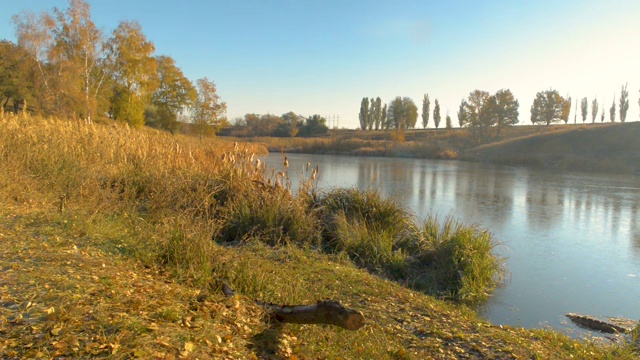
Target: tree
[[480, 109], [364, 113], [602, 114], [462, 113], [506, 109], [377, 118], [410, 111], [612, 111], [35, 33], [395, 113], [624, 103], [566, 109], [425, 110], [208, 111], [372, 113], [448, 121], [476, 106], [548, 107], [594, 110], [134, 71], [584, 106], [289, 125], [402, 111], [575, 114], [436, 114], [174, 94], [314, 125], [19, 79], [384, 123], [78, 53]]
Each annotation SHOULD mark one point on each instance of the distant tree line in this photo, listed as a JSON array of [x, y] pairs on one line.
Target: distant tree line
[[483, 112], [63, 65], [286, 125]]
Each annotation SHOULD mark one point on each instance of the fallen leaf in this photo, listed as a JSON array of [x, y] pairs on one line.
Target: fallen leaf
[[189, 346], [140, 353]]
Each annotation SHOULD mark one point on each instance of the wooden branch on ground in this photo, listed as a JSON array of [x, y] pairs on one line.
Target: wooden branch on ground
[[323, 312]]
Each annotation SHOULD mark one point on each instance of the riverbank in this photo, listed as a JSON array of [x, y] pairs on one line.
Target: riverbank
[[107, 251], [609, 148]]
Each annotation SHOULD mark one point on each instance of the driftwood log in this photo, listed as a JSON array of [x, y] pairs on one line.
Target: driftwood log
[[323, 312], [610, 325]]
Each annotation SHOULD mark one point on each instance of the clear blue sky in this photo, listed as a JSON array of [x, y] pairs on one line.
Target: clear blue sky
[[325, 56]]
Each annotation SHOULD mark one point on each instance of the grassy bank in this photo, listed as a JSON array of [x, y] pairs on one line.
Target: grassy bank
[[610, 148], [115, 242], [594, 147]]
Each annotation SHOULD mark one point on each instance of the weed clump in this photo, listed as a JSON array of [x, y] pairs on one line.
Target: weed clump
[[449, 260]]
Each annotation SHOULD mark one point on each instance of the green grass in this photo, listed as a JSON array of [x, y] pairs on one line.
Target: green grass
[[131, 269]]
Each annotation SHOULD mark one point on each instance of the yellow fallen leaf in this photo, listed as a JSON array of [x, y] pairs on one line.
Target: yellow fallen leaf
[[140, 353], [189, 346], [56, 331]]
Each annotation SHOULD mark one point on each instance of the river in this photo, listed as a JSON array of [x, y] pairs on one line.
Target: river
[[572, 240]]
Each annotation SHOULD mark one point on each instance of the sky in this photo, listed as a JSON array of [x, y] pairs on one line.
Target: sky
[[323, 57]]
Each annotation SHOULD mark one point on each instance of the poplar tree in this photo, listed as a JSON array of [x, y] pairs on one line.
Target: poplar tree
[[384, 123], [436, 113], [372, 114], [566, 109], [449, 126], [425, 110], [462, 113], [585, 109], [594, 110], [612, 111], [378, 115], [624, 103], [396, 113], [364, 113]]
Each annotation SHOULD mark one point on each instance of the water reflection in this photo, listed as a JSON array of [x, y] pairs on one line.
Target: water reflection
[[573, 239]]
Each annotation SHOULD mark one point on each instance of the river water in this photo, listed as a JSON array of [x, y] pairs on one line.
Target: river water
[[572, 240]]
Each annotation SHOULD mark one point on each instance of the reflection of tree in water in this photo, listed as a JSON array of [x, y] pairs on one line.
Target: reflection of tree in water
[[422, 191], [634, 230], [487, 196], [543, 203], [384, 174], [367, 174]]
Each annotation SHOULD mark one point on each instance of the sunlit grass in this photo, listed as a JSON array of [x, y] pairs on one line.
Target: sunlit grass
[[152, 225]]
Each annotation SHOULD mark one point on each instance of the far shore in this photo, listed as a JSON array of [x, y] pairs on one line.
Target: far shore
[[606, 148]]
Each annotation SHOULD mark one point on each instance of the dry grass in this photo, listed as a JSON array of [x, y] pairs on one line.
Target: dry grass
[[602, 147], [107, 251], [592, 147]]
